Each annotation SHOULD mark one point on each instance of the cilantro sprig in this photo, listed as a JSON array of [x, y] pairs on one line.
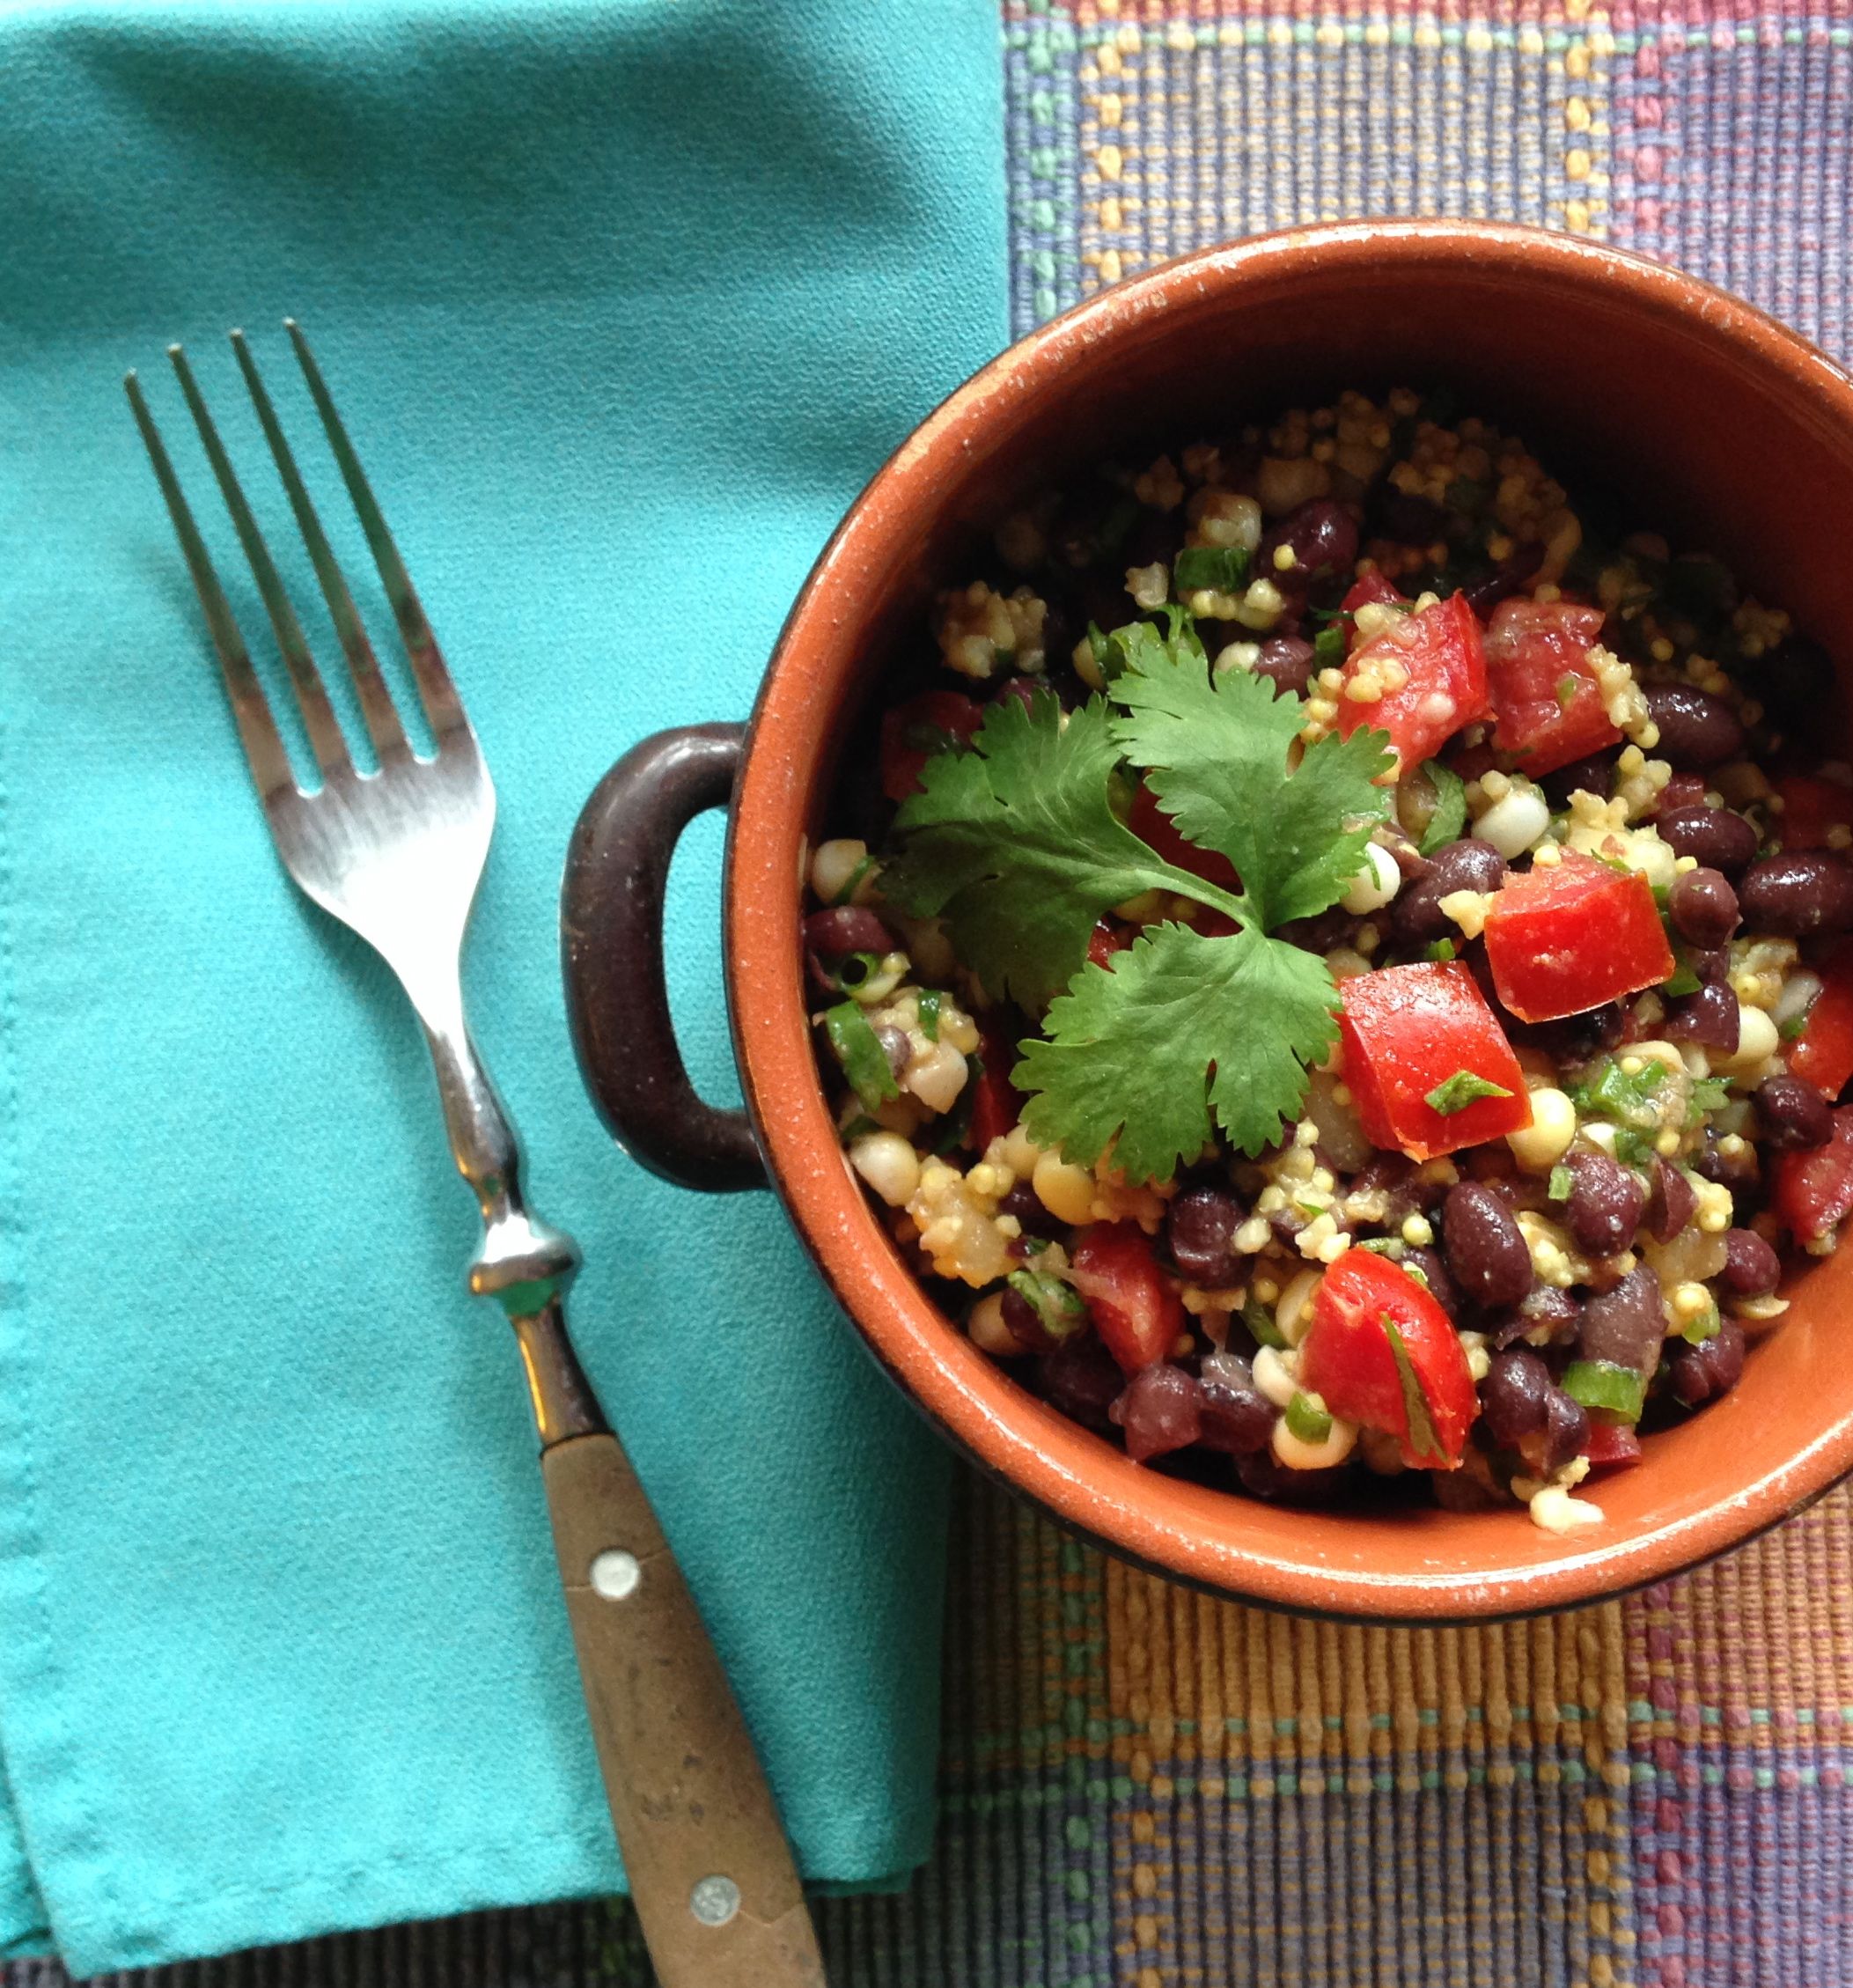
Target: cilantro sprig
[[1018, 844]]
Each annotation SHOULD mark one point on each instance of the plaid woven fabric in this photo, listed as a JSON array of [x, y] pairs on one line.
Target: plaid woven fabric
[[1144, 1787]]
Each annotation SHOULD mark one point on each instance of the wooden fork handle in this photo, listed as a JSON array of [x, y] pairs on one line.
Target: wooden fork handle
[[711, 1874]]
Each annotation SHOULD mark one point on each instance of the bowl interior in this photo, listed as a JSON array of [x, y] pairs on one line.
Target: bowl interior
[[1703, 419]]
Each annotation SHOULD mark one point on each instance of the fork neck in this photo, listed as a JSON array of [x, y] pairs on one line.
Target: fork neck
[[522, 1262]]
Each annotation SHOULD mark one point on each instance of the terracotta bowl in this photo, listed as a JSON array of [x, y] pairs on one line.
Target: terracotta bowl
[[1718, 426]]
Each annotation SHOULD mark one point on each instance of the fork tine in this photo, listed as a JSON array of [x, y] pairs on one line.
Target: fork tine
[[376, 699], [256, 729], [442, 704], [324, 728]]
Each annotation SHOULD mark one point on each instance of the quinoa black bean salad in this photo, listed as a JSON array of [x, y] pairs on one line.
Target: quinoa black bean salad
[[1348, 977]]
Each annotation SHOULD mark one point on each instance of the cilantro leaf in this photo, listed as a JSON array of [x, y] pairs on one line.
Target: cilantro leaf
[[1450, 815], [1460, 1090], [1180, 1028], [1214, 749], [1422, 1441], [1016, 844]]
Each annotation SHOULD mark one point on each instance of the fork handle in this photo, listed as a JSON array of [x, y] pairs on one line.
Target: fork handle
[[711, 1874]]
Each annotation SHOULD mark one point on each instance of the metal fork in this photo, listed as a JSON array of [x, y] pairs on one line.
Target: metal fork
[[397, 854]]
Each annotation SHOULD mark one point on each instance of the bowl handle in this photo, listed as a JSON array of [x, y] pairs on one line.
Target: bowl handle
[[611, 942]]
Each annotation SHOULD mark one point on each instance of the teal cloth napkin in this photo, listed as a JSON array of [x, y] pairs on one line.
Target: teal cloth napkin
[[622, 302]]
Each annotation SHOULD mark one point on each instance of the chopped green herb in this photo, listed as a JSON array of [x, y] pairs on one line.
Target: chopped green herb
[[1710, 1093], [1308, 1418], [1390, 1245], [930, 1000], [1460, 1090], [1620, 1096], [1261, 1328], [1416, 1272], [1603, 1384], [1450, 815], [1790, 1029], [1567, 686], [1422, 1441], [1705, 1326], [1682, 981], [858, 1128], [1056, 1304], [1441, 949], [1330, 645], [856, 968], [854, 882], [858, 1049], [1560, 1184], [1632, 1148], [1224, 569]]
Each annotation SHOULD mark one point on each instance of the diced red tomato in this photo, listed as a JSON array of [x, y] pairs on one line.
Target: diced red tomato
[[1349, 1359], [997, 1103], [1149, 822], [1104, 943], [1811, 1192], [912, 733], [1612, 1445], [1545, 693], [1809, 808], [1444, 680], [1407, 1031], [1136, 1312], [1572, 936], [1823, 1052], [1369, 587]]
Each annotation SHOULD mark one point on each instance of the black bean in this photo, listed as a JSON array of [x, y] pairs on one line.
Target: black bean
[[1670, 1202], [1718, 837], [1737, 1171], [1579, 1038], [1237, 1418], [1793, 1113], [1322, 932], [1796, 894], [1605, 1205], [1711, 1017], [1020, 690], [1514, 1397], [1286, 662], [1595, 775], [1200, 1228], [845, 929], [1703, 906], [1441, 1287], [1484, 1247], [1506, 580], [1751, 1267], [1160, 1410], [1466, 865], [1566, 1430], [895, 1045], [1682, 790], [1701, 1374], [1081, 1379], [1556, 1311], [1265, 1476], [1324, 537], [1625, 1325], [1033, 1218], [1696, 728]]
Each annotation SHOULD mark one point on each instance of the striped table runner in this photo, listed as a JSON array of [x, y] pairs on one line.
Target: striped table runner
[[1145, 1788]]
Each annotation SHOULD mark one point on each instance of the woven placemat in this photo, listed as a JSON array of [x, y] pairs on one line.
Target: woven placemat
[[1145, 1788]]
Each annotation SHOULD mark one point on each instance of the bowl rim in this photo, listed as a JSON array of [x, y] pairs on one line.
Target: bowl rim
[[1089, 1487]]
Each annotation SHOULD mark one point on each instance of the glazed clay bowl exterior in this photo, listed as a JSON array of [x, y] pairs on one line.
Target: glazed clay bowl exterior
[[1714, 424]]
